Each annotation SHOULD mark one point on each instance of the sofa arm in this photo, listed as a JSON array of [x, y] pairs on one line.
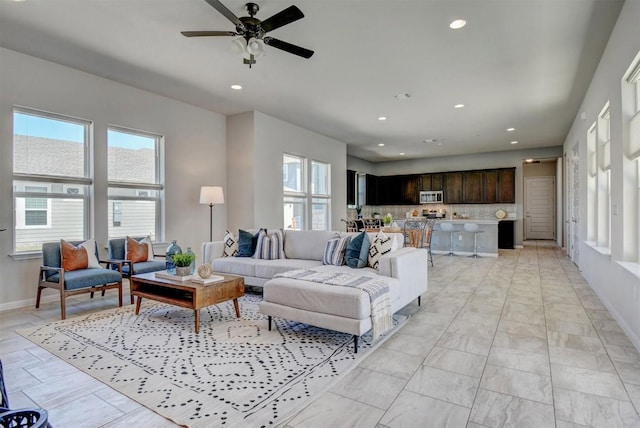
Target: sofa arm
[[405, 264], [212, 250]]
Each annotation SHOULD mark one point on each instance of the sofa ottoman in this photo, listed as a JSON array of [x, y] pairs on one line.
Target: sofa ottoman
[[339, 308]]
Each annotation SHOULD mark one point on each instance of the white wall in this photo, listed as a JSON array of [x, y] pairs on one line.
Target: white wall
[[195, 153], [618, 288], [256, 145]]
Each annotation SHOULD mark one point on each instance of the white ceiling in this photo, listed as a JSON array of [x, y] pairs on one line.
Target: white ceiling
[[518, 63]]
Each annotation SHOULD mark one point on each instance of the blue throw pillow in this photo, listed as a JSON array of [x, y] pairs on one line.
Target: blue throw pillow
[[357, 252], [247, 242]]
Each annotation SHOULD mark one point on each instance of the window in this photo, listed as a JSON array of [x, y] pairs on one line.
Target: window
[[297, 200], [51, 178], [135, 178], [633, 86], [295, 197], [321, 195], [36, 210], [592, 189], [604, 178]]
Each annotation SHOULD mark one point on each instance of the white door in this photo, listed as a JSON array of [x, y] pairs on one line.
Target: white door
[[539, 199]]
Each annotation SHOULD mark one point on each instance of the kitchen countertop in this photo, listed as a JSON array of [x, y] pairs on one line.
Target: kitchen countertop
[[470, 220]]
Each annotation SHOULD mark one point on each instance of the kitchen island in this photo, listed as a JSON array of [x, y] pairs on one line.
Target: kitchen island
[[463, 241]]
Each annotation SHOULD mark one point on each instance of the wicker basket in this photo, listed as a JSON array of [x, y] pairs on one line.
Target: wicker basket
[[24, 418]]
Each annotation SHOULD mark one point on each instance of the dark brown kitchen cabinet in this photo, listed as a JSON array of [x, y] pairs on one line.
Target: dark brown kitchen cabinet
[[351, 187], [472, 187], [389, 191], [371, 192], [431, 182], [453, 187], [412, 184], [399, 189], [436, 182], [460, 187], [491, 186], [507, 186]]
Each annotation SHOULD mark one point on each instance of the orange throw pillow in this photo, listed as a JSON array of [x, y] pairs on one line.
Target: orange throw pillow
[[136, 252], [73, 258]]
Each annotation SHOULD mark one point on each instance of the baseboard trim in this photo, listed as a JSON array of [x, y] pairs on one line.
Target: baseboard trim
[[20, 304]]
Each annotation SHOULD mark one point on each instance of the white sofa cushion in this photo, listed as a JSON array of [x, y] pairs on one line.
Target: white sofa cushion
[[269, 268], [306, 244], [243, 266], [335, 300]]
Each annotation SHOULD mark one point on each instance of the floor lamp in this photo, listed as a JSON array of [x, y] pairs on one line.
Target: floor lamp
[[211, 195]]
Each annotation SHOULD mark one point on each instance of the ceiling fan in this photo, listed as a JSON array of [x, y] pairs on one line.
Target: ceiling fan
[[251, 32]]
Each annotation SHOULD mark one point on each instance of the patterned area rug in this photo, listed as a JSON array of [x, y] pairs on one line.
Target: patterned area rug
[[234, 373]]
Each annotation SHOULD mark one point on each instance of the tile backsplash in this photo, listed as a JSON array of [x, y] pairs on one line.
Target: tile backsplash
[[473, 211]]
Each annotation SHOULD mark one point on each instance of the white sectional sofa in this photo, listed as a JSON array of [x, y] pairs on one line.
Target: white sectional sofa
[[338, 308]]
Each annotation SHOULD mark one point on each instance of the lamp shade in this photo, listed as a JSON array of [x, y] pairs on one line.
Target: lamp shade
[[255, 47], [239, 45], [211, 195]]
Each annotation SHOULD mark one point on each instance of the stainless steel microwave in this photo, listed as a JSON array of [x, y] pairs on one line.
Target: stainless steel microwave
[[431, 197]]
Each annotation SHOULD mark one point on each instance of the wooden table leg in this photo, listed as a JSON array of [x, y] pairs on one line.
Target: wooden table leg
[[197, 318], [237, 307], [138, 304]]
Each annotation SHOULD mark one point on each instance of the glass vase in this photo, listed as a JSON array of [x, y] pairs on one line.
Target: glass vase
[[172, 249], [192, 267]]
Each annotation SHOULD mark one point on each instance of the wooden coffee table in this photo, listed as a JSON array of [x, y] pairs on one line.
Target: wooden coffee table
[[187, 294]]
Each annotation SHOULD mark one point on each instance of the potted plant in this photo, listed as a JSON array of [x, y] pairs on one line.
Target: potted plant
[[183, 263], [359, 211], [387, 220]]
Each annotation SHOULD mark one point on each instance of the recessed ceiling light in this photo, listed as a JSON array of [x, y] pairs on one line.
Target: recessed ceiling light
[[236, 87], [511, 129], [514, 142], [401, 153], [458, 106], [457, 24], [382, 118], [380, 144]]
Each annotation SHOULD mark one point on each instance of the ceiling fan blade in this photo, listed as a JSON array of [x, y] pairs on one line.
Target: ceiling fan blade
[[207, 33], [288, 47], [224, 11], [284, 17]]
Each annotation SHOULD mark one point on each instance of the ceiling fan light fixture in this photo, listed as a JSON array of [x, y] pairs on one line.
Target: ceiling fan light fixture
[[255, 47], [239, 45]]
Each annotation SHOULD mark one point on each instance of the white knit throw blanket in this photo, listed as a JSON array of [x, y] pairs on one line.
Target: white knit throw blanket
[[376, 288]]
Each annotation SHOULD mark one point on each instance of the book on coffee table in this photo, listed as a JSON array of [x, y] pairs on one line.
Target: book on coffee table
[[205, 281], [165, 275]]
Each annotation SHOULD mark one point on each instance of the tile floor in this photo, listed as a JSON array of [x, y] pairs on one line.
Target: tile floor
[[520, 340]]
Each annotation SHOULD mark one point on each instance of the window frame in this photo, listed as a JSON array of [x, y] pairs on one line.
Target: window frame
[[320, 198], [46, 180], [157, 188], [309, 196]]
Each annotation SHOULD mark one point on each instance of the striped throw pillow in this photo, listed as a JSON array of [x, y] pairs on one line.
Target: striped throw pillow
[[335, 250], [270, 245], [380, 246]]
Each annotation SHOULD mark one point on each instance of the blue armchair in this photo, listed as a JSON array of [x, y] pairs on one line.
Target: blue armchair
[[127, 267], [70, 283]]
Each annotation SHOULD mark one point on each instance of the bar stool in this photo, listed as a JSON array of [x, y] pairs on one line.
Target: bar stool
[[475, 229], [448, 227]]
